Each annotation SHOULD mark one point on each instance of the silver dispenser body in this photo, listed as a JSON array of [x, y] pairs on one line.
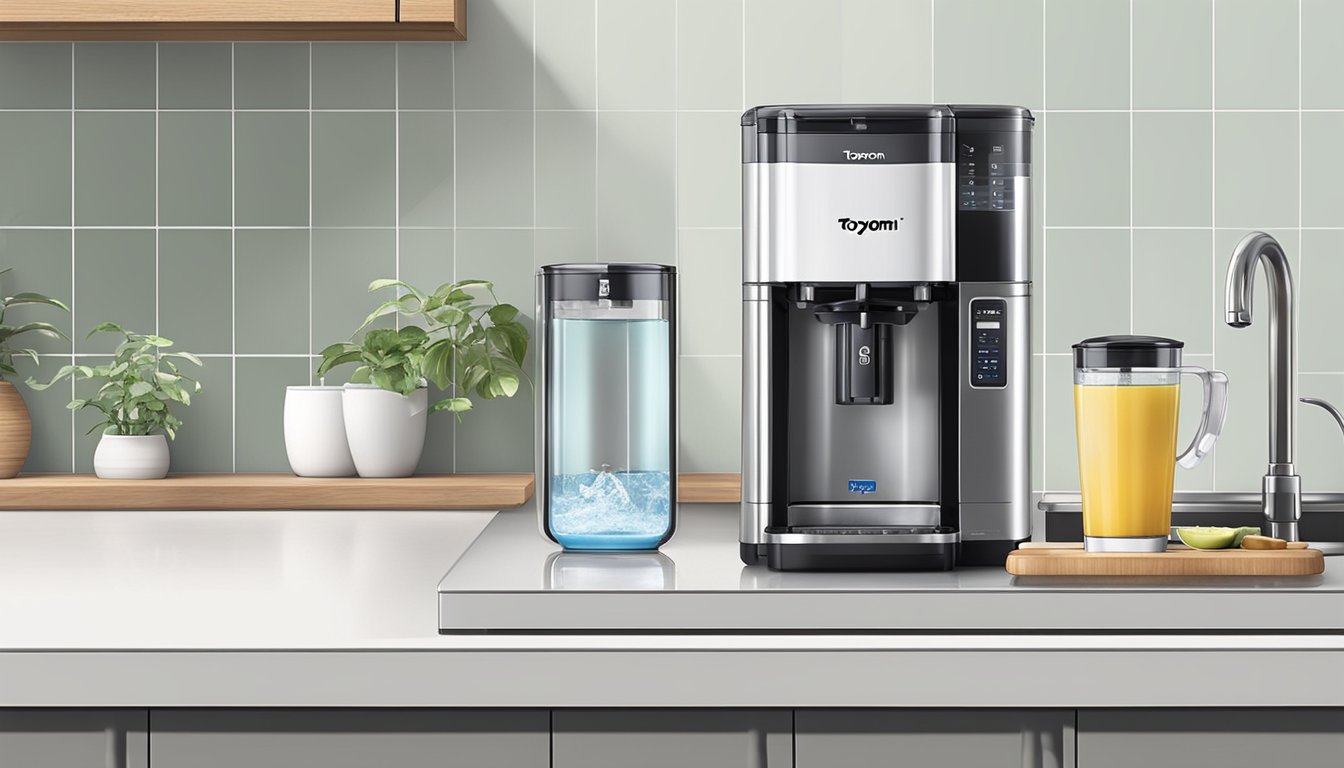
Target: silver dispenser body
[[886, 328]]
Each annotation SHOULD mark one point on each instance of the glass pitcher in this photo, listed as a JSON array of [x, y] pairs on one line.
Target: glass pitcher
[[606, 465], [1126, 395]]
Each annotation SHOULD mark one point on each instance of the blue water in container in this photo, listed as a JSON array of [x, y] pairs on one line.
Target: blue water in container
[[610, 427]]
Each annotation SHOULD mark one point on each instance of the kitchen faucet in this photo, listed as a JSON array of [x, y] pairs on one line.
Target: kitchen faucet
[[1281, 490]]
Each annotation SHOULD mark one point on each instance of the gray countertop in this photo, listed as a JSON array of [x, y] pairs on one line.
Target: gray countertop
[[337, 609]]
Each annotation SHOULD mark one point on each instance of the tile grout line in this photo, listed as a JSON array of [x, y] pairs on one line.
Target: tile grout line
[[233, 256], [156, 188], [1045, 270], [1213, 205], [452, 59], [1132, 286], [310, 227], [72, 250], [396, 175]]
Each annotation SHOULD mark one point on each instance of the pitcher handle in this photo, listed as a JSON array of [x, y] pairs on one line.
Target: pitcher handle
[[1211, 421]]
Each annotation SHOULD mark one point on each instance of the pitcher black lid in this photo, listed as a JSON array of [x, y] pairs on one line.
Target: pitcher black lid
[[1126, 351]]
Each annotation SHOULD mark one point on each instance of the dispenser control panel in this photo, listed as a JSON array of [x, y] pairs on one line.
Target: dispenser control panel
[[985, 171], [989, 334]]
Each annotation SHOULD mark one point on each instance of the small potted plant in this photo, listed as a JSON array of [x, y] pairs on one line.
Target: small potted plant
[[139, 387], [461, 342], [16, 428]]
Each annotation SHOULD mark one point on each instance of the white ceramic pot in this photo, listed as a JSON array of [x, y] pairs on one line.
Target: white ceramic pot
[[315, 432], [131, 457], [385, 430]]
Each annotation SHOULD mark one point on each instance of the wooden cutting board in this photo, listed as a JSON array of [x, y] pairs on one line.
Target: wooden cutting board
[[1069, 559]]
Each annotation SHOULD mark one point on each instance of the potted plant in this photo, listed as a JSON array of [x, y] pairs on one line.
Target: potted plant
[[461, 342], [139, 387], [16, 428]]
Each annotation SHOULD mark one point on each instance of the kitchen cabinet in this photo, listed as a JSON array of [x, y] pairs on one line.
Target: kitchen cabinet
[[845, 738], [341, 738], [73, 738], [671, 738], [1301, 738], [233, 19]]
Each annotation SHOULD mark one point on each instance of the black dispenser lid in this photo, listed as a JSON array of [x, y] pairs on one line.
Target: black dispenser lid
[[615, 281], [1127, 352], [850, 118]]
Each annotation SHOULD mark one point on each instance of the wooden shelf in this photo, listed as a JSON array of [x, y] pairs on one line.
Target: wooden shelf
[[709, 488], [265, 491]]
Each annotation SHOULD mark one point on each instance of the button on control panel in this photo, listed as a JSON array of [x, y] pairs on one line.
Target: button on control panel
[[989, 333], [984, 176]]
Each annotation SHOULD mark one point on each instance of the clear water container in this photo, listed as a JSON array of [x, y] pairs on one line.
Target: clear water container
[[606, 416]]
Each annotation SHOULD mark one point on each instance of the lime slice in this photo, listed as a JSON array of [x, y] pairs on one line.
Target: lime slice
[[1243, 532], [1204, 537]]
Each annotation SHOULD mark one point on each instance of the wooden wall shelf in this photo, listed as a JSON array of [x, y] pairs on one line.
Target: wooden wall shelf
[[233, 20]]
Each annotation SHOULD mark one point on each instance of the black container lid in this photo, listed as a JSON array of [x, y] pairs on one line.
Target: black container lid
[[1127, 352], [615, 282], [617, 268], [850, 118]]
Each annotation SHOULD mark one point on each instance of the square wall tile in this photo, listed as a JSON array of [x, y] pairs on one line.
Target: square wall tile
[[195, 75], [38, 261], [259, 398], [1322, 168], [35, 181], [709, 431], [709, 169], [1173, 54], [88, 422], [504, 257], [205, 441], [709, 54], [566, 169], [1320, 449], [636, 54], [115, 75], [973, 38], [566, 51], [1060, 437], [1088, 292], [710, 266], [35, 75], [494, 67], [1319, 273], [564, 246], [1087, 54], [354, 75], [1036, 421], [1173, 169], [636, 199], [1259, 68], [270, 75], [114, 169], [426, 169], [1255, 166], [782, 70], [1087, 170], [53, 430], [271, 279], [494, 169], [345, 261], [440, 432], [425, 257], [425, 75], [886, 51], [195, 289], [195, 169], [354, 169], [270, 169], [1174, 284], [114, 282], [1322, 56]]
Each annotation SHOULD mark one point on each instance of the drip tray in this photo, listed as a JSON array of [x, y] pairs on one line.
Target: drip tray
[[865, 530], [861, 548]]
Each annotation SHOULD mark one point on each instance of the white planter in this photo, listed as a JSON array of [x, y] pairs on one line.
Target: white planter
[[131, 457], [385, 431], [315, 432]]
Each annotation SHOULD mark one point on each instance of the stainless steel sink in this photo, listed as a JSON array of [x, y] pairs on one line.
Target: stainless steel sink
[[1322, 515]]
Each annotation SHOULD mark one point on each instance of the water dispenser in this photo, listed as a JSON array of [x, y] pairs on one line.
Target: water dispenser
[[607, 406]]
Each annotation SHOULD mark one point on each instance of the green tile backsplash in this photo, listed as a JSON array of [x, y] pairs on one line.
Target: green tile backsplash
[[238, 197]]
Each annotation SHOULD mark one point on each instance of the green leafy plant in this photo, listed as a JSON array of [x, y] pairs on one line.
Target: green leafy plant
[[9, 332], [140, 385], [462, 342]]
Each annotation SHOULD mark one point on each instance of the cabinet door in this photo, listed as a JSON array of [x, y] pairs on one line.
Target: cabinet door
[[984, 738], [433, 10], [671, 738], [1217, 738], [202, 11], [73, 738], [350, 738]]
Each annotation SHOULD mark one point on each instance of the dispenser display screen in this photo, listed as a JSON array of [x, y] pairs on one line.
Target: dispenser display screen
[[989, 319]]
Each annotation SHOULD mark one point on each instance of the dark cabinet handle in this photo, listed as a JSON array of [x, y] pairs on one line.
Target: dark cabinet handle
[[116, 747]]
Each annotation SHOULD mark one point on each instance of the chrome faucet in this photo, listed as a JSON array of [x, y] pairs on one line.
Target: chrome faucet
[[1282, 488]]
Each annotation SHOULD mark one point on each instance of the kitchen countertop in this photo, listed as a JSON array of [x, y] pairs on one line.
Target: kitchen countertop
[[338, 609]]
